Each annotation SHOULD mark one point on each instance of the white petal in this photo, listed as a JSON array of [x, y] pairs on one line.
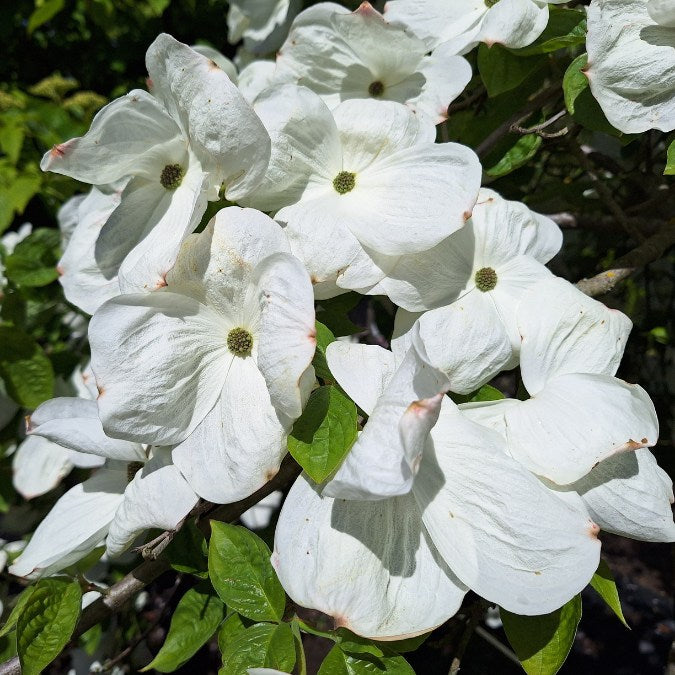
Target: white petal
[[38, 466], [224, 132], [86, 284], [564, 331], [239, 445], [74, 423], [219, 59], [630, 495], [259, 516], [662, 11], [305, 145], [74, 527], [157, 497], [630, 65], [466, 341], [577, 421], [144, 233], [369, 565], [514, 23], [216, 266], [160, 361], [287, 337], [123, 136], [386, 455], [255, 78], [363, 371], [504, 534]]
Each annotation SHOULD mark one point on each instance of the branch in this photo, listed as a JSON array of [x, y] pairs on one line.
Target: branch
[[604, 224], [648, 251], [120, 593]]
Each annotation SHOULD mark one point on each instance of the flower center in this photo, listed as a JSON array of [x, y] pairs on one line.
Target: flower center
[[486, 279], [172, 176], [132, 469], [491, 3], [376, 88], [239, 342], [344, 182]]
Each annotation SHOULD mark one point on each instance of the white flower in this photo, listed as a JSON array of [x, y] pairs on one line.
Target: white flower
[[218, 362], [631, 62], [474, 518], [179, 146], [86, 283], [260, 515], [367, 179], [7, 242], [472, 282], [263, 24], [465, 23], [40, 463], [578, 414], [126, 496], [341, 55]]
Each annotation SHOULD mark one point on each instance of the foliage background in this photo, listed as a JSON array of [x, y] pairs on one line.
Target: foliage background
[[63, 59]]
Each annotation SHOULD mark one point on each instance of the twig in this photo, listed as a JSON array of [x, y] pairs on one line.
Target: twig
[[505, 128], [475, 612], [467, 102], [539, 128], [501, 648], [604, 192], [607, 224], [120, 593], [648, 251], [109, 663]]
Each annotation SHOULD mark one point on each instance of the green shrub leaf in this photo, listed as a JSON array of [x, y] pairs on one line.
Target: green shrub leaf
[[263, 645]]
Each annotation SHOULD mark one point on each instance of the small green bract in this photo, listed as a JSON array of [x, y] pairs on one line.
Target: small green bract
[[172, 176], [486, 279], [239, 342], [344, 182]]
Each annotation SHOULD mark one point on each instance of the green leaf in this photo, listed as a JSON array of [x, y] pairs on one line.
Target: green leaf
[[43, 13], [263, 645], [324, 336], [16, 191], [195, 619], [230, 628], [188, 551], [603, 583], [340, 663], [21, 601], [580, 101], [46, 623], [501, 70], [486, 393], [241, 573], [542, 643], [522, 151], [25, 369], [33, 262], [566, 28], [333, 313], [12, 134], [324, 433], [670, 161], [355, 644]]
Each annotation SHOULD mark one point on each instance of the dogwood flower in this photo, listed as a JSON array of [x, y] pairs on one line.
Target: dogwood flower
[[342, 55], [129, 494], [218, 362], [7, 243], [196, 134], [474, 518], [367, 179], [465, 23], [86, 283], [631, 62], [39, 463], [578, 413], [262, 24], [473, 282]]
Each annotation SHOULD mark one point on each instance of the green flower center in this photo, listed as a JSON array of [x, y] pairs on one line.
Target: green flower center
[[132, 469], [344, 182], [239, 342], [490, 3], [486, 279], [376, 88], [172, 176]]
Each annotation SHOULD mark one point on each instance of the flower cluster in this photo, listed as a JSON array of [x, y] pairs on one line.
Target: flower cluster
[[203, 335]]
